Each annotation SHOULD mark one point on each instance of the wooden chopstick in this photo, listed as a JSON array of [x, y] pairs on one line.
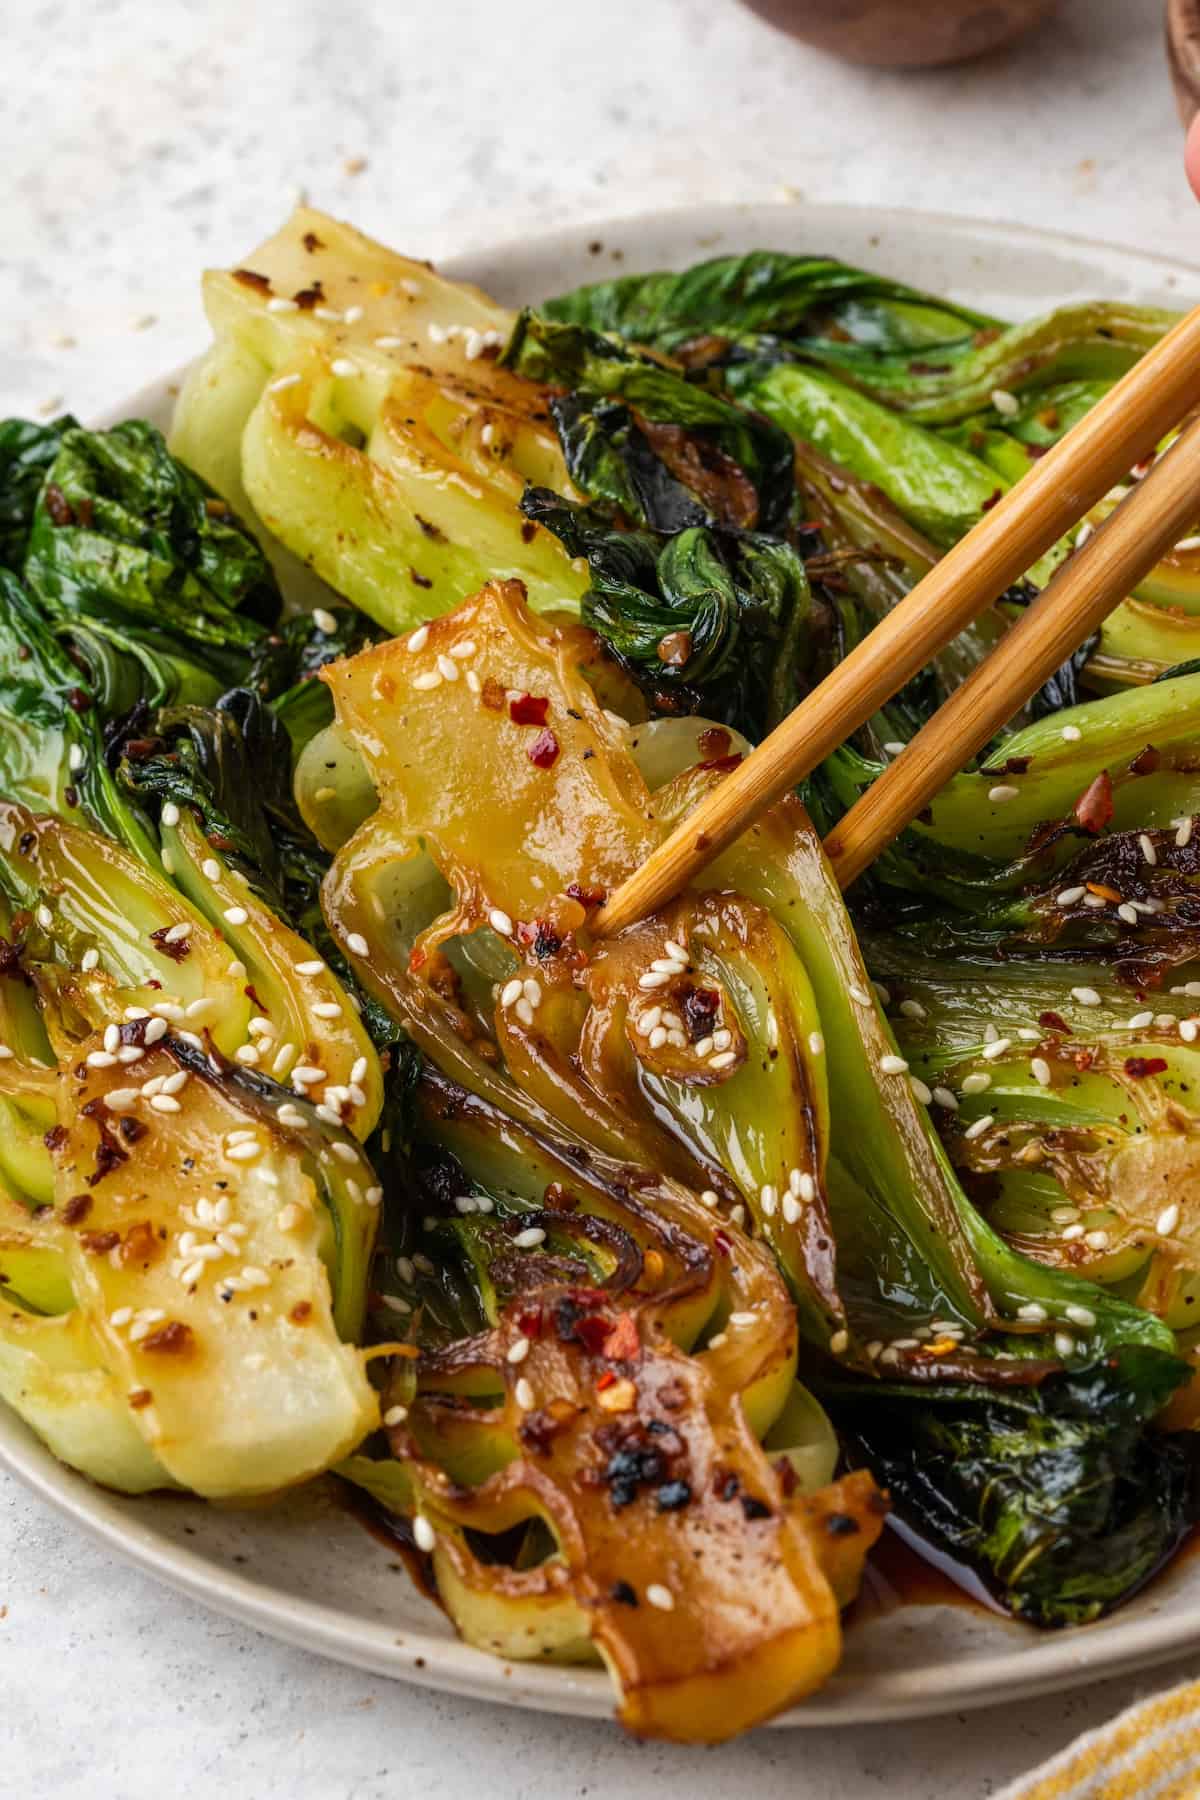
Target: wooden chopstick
[[1098, 452], [1080, 595]]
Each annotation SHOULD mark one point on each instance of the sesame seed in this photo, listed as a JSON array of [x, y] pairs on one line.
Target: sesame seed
[[990, 1035], [500, 922], [1128, 913], [791, 1208], [1072, 1234], [1033, 1313], [524, 1011], [1140, 1021], [200, 1009], [1086, 996], [327, 1114], [532, 991], [524, 1396], [1188, 1030], [1002, 792], [1071, 895], [424, 1536], [243, 1152], [1064, 1343], [247, 1055], [236, 915], [130, 1053], [708, 1198], [894, 747], [768, 1199], [660, 1596], [76, 758], [1083, 534], [165, 1103], [44, 917], [945, 1099], [1183, 835], [839, 1343], [89, 960], [920, 1091], [529, 1238], [170, 813], [1006, 404], [723, 1059], [280, 303], [122, 1316], [290, 1216], [654, 978], [859, 994], [722, 1039], [172, 1084], [912, 1009], [1040, 1070], [447, 668], [518, 1351], [1095, 1240], [97, 1059], [704, 1048], [1080, 1315], [374, 1196], [1149, 853], [1167, 1219], [426, 681], [121, 1099], [893, 1065], [884, 994], [1072, 733], [816, 1043], [327, 1009], [996, 1049], [658, 1038], [112, 1037], [342, 365], [980, 1126]]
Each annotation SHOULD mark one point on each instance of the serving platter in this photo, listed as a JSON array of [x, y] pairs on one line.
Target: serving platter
[[304, 1569]]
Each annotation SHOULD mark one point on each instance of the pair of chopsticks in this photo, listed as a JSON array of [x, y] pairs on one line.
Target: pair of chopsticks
[[1097, 454]]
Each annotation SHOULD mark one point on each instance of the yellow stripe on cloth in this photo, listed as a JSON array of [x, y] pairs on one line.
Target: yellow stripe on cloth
[[1149, 1752]]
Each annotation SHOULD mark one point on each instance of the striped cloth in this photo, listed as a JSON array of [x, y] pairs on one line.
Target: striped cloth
[[1149, 1752]]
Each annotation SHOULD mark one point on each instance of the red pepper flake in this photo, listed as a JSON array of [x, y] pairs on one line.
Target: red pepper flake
[[1094, 807], [493, 694], [528, 709], [588, 897], [139, 1398], [622, 1343], [1146, 761], [57, 505], [722, 1243], [1052, 1021], [99, 1243], [252, 279], [722, 763], [417, 958], [593, 1333], [715, 742], [172, 1339], [1083, 1060], [996, 494], [605, 1381], [529, 1324], [1137, 1066], [543, 752]]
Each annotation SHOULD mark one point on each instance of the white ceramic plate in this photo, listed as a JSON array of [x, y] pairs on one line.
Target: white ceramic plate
[[305, 1570]]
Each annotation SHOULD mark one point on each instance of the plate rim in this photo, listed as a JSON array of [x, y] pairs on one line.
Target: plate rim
[[446, 1664]]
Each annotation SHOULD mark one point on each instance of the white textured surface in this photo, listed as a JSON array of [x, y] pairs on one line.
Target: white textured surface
[[141, 138]]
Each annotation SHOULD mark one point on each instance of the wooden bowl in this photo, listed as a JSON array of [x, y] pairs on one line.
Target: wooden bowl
[[1183, 55], [909, 34]]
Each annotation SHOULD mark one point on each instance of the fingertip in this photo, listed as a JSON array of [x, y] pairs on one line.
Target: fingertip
[[1191, 155]]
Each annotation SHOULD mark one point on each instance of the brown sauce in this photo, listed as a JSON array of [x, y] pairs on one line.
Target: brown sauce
[[904, 1570]]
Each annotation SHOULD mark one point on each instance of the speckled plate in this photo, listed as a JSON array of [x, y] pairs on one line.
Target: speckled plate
[[304, 1569]]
